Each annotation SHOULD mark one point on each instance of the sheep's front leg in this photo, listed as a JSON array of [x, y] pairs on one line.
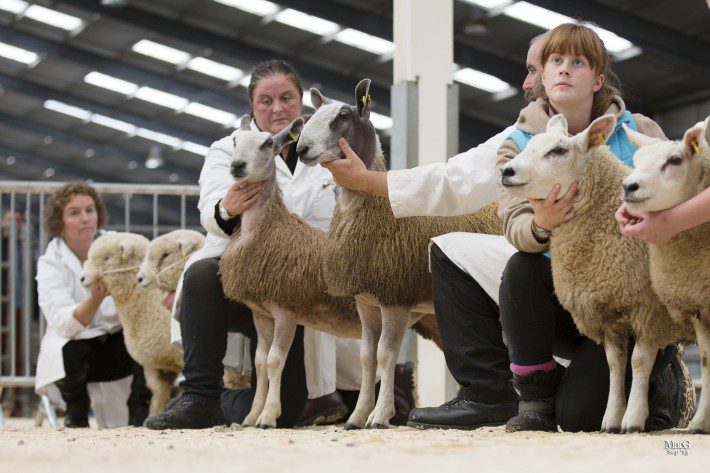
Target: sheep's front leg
[[371, 319], [701, 420], [615, 348], [395, 321], [285, 322], [265, 335], [642, 360], [159, 388]]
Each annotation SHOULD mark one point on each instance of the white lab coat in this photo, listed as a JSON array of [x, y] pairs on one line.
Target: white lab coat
[[60, 291], [309, 192], [464, 184]]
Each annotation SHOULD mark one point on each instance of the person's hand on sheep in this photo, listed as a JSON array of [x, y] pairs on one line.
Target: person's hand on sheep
[[351, 173], [167, 301], [551, 212], [99, 291], [240, 197], [653, 227]]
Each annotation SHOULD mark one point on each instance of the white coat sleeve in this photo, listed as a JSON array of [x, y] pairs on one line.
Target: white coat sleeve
[[215, 180], [464, 184], [55, 297]]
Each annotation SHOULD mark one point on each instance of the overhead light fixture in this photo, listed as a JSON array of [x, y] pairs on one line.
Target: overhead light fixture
[[489, 4], [168, 140], [161, 98], [306, 22], [18, 54], [114, 3], [257, 7], [109, 122], [49, 172], [209, 113], [161, 52], [111, 83], [381, 122], [11, 160], [53, 17], [13, 6], [66, 109], [214, 69], [154, 159], [480, 80], [195, 148], [174, 177], [364, 41], [132, 165]]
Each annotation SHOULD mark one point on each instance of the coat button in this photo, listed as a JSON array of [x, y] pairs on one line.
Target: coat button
[[325, 183]]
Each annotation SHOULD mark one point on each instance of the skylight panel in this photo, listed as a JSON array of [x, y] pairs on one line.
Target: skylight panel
[[381, 122], [161, 52], [18, 54], [13, 6], [161, 98], [53, 17], [67, 109], [168, 140], [489, 4], [257, 7], [364, 41], [111, 83], [109, 122], [214, 69], [306, 22], [209, 113], [195, 148]]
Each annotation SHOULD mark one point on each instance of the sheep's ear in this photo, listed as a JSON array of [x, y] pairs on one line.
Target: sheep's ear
[[362, 95], [692, 139], [596, 134], [557, 124], [186, 247], [707, 130], [245, 123], [289, 134], [318, 99], [124, 250], [639, 139]]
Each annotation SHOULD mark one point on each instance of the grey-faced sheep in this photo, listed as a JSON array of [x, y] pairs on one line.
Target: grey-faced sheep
[[115, 259], [369, 254], [275, 266], [668, 173], [600, 277]]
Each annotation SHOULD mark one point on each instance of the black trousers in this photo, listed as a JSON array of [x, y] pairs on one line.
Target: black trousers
[[206, 316], [103, 358], [536, 327]]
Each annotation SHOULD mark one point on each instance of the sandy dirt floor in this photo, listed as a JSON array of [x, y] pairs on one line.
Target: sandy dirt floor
[[25, 448]]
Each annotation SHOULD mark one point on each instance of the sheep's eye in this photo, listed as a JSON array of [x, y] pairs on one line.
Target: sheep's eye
[[268, 143], [344, 114], [674, 161], [558, 151], [165, 255], [106, 257]]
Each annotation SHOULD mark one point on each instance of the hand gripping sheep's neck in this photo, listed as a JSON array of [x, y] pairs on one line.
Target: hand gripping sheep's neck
[[369, 254], [600, 277]]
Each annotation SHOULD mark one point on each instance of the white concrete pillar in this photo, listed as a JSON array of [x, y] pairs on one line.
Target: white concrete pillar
[[423, 37]]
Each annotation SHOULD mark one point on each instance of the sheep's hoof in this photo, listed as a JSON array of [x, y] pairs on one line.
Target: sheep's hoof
[[352, 427], [377, 425], [265, 426], [697, 431], [632, 430], [612, 430]]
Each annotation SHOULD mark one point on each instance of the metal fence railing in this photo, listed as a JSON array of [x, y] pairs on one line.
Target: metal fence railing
[[148, 209]]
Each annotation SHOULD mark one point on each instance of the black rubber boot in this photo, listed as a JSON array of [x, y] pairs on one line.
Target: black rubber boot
[[536, 407], [73, 390], [671, 397], [188, 412]]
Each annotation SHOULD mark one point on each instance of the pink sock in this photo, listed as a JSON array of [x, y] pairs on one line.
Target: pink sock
[[522, 370]]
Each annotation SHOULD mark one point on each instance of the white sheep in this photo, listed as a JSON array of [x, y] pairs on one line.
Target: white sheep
[[666, 174], [369, 254], [164, 262], [275, 266], [114, 259], [600, 277]]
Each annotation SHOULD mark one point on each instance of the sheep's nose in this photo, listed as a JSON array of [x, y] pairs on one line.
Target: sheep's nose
[[629, 188], [508, 172], [303, 150], [83, 278], [140, 279], [237, 169]]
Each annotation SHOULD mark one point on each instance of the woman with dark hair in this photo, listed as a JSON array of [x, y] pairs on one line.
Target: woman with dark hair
[[206, 316], [83, 352]]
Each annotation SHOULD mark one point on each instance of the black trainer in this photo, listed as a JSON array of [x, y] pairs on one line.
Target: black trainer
[[188, 412], [536, 407], [73, 390], [460, 413]]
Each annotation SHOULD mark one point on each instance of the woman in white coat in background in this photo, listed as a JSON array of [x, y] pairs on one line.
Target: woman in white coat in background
[[206, 316], [82, 352]]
